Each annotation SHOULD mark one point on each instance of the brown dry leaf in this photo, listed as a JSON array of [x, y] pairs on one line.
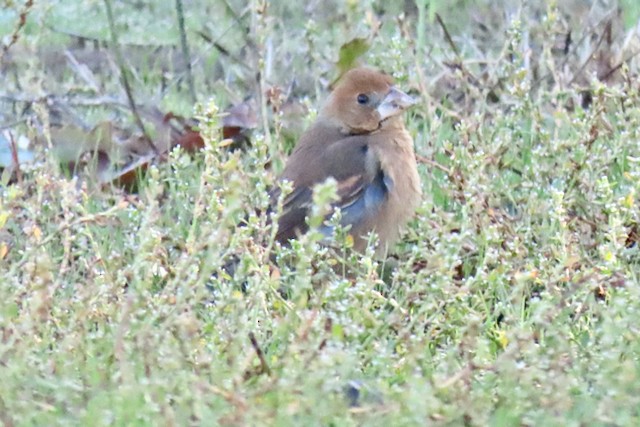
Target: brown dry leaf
[[184, 133], [175, 130], [128, 176], [633, 236], [116, 156], [190, 141], [161, 132], [238, 122], [133, 152], [169, 130]]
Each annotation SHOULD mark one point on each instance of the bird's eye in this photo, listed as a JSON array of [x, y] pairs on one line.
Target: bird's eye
[[363, 99]]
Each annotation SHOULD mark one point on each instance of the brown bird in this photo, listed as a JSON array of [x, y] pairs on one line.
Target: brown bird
[[360, 140]]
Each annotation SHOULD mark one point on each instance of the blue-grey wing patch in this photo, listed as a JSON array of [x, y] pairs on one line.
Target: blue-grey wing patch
[[361, 201]]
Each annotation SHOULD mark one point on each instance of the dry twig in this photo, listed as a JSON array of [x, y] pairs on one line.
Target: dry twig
[[185, 49], [22, 20], [125, 79]]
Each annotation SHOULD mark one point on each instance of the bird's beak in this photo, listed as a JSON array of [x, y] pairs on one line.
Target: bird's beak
[[394, 103]]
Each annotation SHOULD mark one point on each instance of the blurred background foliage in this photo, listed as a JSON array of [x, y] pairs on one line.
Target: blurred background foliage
[[511, 300]]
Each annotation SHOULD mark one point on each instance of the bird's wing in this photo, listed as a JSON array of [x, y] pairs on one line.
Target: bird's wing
[[362, 185]]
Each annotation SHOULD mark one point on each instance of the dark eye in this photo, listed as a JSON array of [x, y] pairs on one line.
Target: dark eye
[[363, 99]]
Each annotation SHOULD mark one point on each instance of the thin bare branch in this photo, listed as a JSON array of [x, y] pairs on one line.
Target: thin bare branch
[[264, 367], [447, 36], [14, 157], [591, 55], [22, 21], [82, 71], [124, 78], [618, 66], [185, 49]]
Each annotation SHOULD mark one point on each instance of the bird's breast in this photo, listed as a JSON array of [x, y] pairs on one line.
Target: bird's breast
[[398, 163]]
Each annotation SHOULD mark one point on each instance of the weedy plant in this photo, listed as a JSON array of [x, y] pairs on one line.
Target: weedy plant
[[511, 300]]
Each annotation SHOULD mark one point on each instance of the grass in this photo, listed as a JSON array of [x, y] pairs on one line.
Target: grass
[[512, 299]]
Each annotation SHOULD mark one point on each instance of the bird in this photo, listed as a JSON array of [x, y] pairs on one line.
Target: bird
[[359, 139]]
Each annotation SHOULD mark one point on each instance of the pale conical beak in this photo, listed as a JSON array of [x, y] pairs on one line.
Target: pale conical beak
[[394, 103]]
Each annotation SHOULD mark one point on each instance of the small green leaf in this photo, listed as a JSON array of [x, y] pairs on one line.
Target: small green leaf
[[350, 52]]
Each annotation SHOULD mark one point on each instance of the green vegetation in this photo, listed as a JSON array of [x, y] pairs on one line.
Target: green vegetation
[[512, 299]]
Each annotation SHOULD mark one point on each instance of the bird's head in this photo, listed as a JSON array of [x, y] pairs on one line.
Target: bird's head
[[363, 100]]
